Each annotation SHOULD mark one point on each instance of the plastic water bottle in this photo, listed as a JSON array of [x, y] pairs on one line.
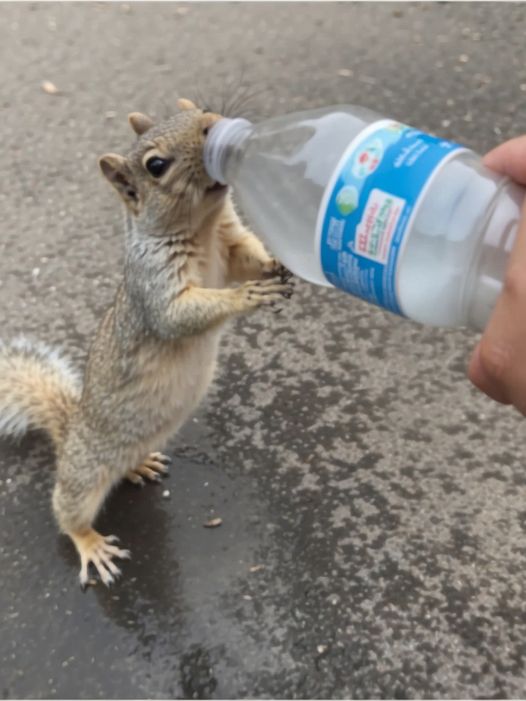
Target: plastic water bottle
[[346, 198]]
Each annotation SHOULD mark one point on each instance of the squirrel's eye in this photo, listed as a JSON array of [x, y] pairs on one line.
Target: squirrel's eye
[[157, 166]]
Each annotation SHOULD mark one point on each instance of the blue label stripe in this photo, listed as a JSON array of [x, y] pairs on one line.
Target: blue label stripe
[[369, 204]]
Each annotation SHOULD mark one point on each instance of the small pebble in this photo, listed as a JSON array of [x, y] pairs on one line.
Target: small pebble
[[463, 58], [213, 523], [35, 272], [346, 72], [445, 123], [523, 87], [256, 568], [321, 649], [166, 494], [49, 87]]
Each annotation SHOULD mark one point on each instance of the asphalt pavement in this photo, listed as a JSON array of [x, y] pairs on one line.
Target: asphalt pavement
[[373, 504]]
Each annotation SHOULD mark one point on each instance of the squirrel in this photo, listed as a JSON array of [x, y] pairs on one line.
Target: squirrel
[[154, 353]]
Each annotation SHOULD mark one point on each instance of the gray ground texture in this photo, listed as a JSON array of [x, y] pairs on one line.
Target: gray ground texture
[[343, 447]]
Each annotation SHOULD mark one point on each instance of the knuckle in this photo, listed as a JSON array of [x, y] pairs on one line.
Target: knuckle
[[495, 360]]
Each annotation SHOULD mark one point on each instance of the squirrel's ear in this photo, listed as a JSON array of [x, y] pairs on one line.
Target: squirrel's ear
[[117, 172], [185, 104], [140, 122]]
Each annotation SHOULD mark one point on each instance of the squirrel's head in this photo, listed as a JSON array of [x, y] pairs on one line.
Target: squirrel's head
[[162, 180]]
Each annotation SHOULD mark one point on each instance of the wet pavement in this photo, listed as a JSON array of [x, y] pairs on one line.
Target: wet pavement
[[374, 505]]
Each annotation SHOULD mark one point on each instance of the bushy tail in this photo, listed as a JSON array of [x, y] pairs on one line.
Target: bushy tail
[[38, 390]]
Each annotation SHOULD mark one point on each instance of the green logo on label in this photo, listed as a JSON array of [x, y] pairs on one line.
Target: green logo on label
[[347, 200]]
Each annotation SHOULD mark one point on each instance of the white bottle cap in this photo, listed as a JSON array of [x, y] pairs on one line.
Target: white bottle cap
[[222, 135]]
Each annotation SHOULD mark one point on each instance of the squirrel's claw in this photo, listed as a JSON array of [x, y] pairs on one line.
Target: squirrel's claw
[[151, 469], [285, 274], [112, 539], [276, 269]]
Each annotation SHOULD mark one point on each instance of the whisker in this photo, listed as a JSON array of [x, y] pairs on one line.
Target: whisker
[[201, 101], [240, 101], [242, 105], [167, 109]]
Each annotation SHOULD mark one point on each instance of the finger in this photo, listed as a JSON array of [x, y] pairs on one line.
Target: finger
[[497, 366], [509, 159]]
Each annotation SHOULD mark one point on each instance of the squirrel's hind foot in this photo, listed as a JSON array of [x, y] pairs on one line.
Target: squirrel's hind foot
[[98, 550], [152, 468]]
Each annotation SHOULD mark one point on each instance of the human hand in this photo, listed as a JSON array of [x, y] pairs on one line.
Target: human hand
[[498, 363]]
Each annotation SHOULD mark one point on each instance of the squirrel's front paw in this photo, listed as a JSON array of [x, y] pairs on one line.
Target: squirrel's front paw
[[273, 268], [264, 293]]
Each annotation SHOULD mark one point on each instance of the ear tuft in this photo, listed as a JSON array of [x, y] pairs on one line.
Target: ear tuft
[[185, 104], [140, 123]]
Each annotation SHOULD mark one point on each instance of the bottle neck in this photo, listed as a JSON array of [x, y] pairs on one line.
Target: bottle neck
[[224, 140]]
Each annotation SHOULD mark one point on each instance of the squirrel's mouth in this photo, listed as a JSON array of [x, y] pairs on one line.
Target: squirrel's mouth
[[217, 187]]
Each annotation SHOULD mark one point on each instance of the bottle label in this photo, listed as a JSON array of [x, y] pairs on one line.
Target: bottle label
[[369, 205]]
